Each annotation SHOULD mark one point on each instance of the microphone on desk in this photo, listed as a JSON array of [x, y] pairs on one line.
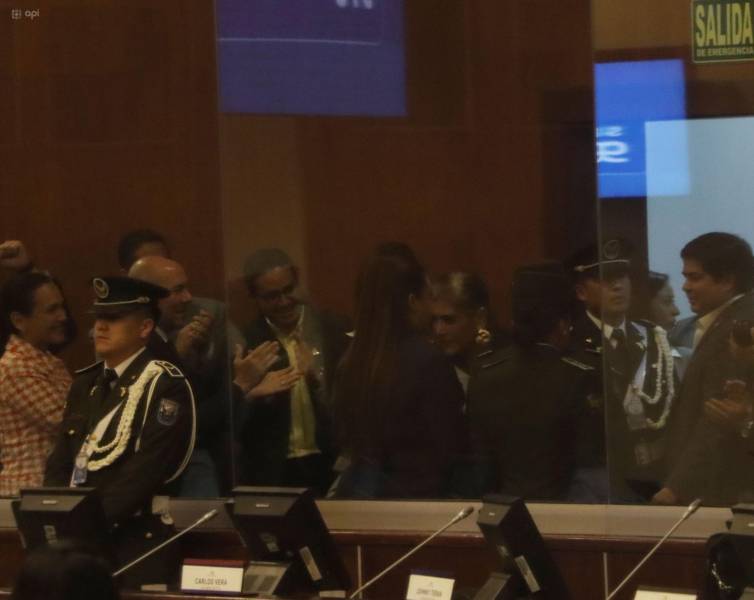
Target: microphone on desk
[[459, 517], [692, 508], [203, 519]]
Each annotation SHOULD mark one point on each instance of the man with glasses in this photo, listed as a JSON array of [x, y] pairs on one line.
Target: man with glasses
[[284, 424]]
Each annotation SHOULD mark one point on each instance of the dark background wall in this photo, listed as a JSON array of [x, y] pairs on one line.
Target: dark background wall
[[492, 168], [108, 121]]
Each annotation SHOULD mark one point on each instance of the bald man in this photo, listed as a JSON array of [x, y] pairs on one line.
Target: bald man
[[186, 323], [195, 334]]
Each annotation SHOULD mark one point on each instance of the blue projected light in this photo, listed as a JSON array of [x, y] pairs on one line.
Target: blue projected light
[[627, 96], [325, 57]]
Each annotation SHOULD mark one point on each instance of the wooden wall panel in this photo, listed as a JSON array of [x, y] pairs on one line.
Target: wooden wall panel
[[466, 178], [112, 126]]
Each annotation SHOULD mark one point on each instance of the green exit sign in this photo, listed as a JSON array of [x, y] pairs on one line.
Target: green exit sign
[[722, 30]]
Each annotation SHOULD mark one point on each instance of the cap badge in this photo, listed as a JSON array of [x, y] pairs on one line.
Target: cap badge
[[101, 288], [611, 249]]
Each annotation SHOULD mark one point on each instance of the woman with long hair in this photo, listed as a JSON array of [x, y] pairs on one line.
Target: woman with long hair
[[398, 404]]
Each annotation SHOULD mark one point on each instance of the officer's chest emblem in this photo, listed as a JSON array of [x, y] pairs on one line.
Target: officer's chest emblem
[[167, 413]]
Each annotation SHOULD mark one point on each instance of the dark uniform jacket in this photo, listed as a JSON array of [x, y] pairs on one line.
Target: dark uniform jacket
[[710, 461], [164, 431], [263, 424], [636, 457], [525, 412]]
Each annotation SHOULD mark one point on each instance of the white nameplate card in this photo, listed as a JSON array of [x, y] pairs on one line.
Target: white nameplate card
[[424, 587], [220, 576], [658, 594]]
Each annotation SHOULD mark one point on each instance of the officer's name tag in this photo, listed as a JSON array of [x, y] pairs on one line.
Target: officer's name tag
[[424, 587], [657, 594], [200, 575]]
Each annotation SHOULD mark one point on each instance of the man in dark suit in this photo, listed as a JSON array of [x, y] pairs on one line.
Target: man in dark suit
[[635, 384], [284, 423], [129, 423], [708, 450]]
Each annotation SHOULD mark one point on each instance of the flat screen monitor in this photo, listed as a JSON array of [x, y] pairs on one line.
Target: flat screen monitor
[[528, 567], [284, 526], [46, 515]]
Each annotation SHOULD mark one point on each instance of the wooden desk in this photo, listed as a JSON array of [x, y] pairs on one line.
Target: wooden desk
[[679, 564], [372, 535]]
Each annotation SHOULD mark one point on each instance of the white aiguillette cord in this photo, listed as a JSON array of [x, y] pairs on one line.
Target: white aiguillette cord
[[689, 511], [459, 517]]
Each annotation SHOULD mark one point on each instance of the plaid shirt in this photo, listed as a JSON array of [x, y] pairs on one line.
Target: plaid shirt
[[33, 389]]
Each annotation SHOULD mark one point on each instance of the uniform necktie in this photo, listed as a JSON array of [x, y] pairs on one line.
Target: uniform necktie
[[109, 378], [617, 355], [619, 338]]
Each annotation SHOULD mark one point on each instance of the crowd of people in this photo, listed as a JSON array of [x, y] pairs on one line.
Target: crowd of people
[[592, 393]]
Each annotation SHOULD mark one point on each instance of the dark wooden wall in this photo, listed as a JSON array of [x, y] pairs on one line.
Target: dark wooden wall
[[494, 155], [108, 123]]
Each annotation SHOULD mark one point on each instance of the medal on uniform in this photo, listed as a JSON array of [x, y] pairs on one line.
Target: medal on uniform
[[634, 408], [80, 465]]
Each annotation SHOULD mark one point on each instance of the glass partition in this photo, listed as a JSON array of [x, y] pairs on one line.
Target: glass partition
[[387, 168], [673, 91]]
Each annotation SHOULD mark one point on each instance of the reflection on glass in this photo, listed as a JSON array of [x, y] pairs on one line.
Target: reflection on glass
[[682, 407], [284, 423]]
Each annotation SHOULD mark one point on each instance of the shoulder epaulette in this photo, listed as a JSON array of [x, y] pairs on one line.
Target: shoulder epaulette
[[493, 363], [91, 367], [645, 323], [169, 368], [575, 363]]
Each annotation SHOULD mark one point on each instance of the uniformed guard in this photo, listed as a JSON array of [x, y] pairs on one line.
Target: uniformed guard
[[526, 400], [129, 422], [634, 397]]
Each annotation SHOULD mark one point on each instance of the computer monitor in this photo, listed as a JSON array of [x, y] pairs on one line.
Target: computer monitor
[[45, 515], [730, 558], [527, 568], [288, 542]]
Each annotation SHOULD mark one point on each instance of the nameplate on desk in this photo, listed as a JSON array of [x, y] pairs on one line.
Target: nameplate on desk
[[424, 587], [659, 594], [220, 576]]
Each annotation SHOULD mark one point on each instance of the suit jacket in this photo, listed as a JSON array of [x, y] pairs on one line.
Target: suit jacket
[[707, 460], [263, 424], [163, 426], [682, 334]]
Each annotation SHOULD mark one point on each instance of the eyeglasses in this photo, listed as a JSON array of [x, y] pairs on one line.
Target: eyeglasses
[[277, 295]]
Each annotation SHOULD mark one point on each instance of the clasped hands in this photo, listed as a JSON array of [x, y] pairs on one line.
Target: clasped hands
[[252, 369]]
